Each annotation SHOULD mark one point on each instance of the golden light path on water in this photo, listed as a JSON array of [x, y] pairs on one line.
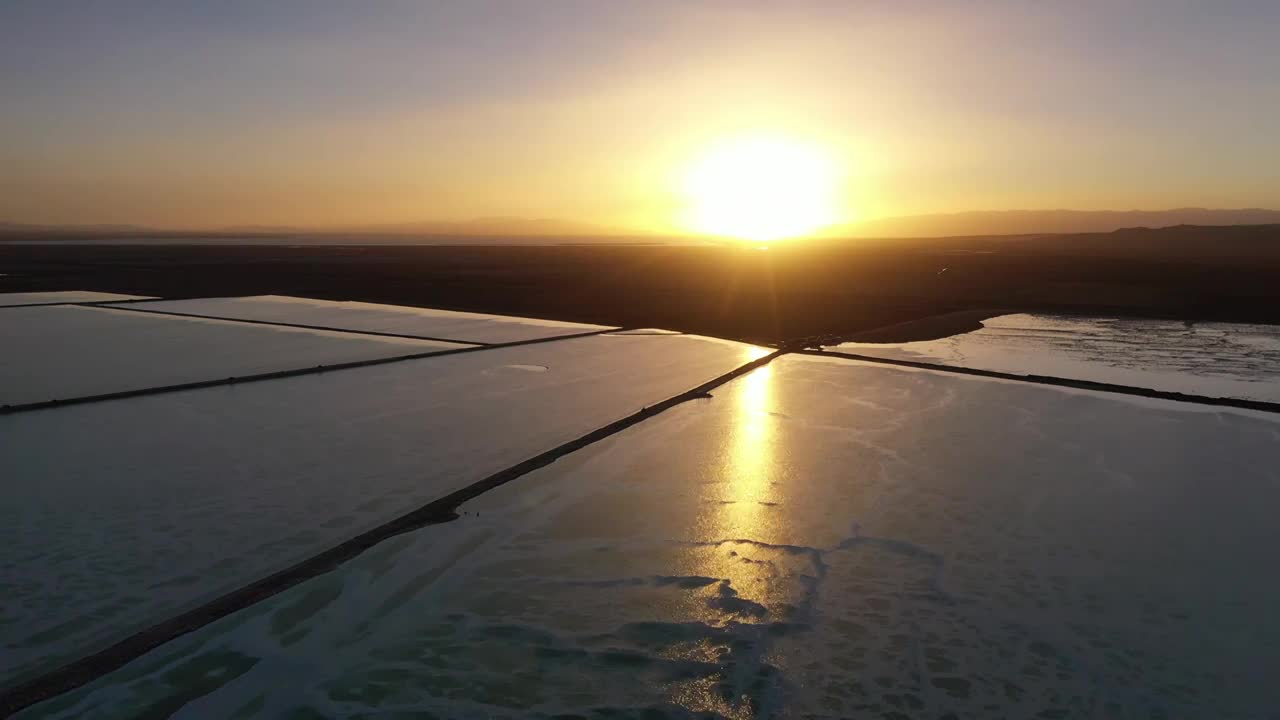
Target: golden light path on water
[[742, 495], [747, 466]]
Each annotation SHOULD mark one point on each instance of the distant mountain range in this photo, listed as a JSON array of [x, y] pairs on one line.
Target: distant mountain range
[[479, 227], [980, 223], [1025, 222], [12, 227]]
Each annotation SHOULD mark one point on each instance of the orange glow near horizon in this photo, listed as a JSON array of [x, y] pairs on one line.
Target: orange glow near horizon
[[761, 188], [755, 120]]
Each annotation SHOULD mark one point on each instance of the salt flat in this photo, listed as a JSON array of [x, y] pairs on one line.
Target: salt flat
[[822, 538], [1205, 358], [361, 316], [62, 296], [119, 514], [60, 352]]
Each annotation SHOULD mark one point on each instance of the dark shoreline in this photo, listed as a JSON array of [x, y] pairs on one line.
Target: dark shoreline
[[933, 327], [869, 293]]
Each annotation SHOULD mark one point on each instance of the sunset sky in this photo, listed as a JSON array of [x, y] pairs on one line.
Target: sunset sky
[[329, 113]]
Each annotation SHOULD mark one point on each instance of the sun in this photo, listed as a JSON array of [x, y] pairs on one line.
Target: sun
[[761, 188]]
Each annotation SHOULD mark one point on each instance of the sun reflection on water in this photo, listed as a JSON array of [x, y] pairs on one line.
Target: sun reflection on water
[[747, 466], [738, 532], [742, 495], [756, 573], [739, 489]]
